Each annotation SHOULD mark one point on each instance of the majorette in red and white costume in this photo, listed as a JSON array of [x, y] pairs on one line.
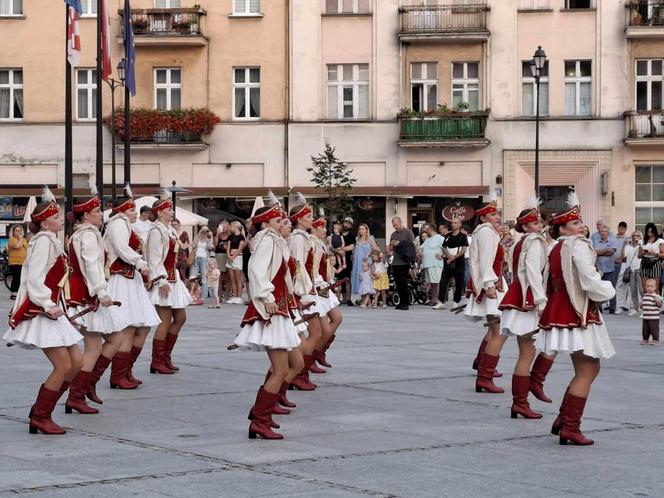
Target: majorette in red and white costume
[[523, 302], [44, 276], [126, 283], [322, 279], [263, 328], [571, 321]]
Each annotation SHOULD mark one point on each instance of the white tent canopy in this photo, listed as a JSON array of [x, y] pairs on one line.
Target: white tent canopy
[[187, 218]]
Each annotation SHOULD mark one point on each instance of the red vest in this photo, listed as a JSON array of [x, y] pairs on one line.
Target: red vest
[[293, 300], [120, 266], [281, 298], [322, 268], [514, 297], [498, 262], [559, 311], [28, 309], [309, 266], [169, 262], [78, 289]]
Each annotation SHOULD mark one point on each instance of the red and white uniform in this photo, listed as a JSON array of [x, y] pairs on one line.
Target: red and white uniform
[[486, 257], [322, 277], [87, 283], [124, 247], [44, 274], [526, 295], [161, 254], [270, 281], [571, 320]]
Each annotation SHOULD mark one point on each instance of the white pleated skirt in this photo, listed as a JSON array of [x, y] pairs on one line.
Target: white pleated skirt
[[518, 323], [101, 321], [41, 332], [594, 341], [478, 311], [302, 327], [137, 309], [279, 334], [178, 298]]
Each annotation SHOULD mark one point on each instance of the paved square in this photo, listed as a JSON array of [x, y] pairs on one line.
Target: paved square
[[397, 415]]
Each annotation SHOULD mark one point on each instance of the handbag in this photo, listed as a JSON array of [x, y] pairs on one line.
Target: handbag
[[627, 274]]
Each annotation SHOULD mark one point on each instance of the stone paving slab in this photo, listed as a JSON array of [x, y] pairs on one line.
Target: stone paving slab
[[397, 416]]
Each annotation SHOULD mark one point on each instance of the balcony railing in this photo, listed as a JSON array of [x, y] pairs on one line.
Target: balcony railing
[[440, 19], [644, 126], [453, 129], [167, 22], [645, 13]]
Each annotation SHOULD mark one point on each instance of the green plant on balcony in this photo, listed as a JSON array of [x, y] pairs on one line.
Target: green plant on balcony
[[140, 25], [150, 125], [463, 107], [182, 26]]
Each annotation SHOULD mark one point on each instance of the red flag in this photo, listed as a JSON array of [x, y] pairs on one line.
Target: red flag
[[73, 39], [106, 68]]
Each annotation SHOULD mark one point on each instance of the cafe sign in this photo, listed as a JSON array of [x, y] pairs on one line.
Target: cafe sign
[[464, 213]]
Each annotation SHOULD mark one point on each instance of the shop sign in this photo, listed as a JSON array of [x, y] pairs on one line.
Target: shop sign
[[463, 212]]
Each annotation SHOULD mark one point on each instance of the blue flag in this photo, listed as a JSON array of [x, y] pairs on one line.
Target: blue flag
[[130, 50], [76, 5]]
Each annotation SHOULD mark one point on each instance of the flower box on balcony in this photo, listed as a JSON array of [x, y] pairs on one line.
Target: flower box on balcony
[[443, 129]]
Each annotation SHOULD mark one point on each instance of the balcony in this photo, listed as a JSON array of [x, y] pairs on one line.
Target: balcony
[[444, 23], [443, 129], [167, 27], [644, 128], [644, 19]]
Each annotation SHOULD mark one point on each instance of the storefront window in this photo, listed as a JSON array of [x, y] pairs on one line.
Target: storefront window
[[217, 210], [371, 210], [649, 195]]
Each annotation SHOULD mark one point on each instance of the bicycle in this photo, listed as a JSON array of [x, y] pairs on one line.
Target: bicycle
[[5, 272]]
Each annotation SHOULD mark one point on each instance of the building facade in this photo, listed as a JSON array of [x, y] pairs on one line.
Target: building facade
[[431, 103]]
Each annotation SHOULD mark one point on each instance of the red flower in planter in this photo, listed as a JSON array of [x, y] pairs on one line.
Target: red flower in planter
[[149, 125]]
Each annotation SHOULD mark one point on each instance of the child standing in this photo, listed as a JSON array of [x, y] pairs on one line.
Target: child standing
[[381, 282], [213, 276], [365, 289], [651, 303]]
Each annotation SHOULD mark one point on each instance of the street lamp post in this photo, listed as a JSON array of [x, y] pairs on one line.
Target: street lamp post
[[537, 65], [174, 189], [113, 83]]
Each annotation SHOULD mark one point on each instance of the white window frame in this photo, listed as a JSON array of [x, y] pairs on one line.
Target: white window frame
[[426, 82], [168, 86], [247, 8], [466, 82], [535, 4], [355, 10], [11, 12], [88, 11], [12, 88], [577, 81], [247, 86], [89, 88], [649, 79], [169, 4], [647, 204], [530, 80], [355, 83]]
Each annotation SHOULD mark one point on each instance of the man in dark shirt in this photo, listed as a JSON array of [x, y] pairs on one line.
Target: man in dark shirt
[[401, 244], [349, 240], [454, 250]]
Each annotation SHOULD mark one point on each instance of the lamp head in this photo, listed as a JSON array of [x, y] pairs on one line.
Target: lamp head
[[540, 58], [121, 70]]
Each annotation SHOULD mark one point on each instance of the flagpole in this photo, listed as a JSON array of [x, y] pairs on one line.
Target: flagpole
[[69, 169], [99, 163], [127, 101]]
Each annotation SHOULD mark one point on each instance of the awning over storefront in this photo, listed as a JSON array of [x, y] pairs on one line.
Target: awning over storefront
[[309, 190]]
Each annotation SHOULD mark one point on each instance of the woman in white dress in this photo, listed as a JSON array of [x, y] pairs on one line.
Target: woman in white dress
[[267, 324], [524, 302], [571, 321], [128, 271], [486, 288], [38, 318], [168, 294], [88, 289]]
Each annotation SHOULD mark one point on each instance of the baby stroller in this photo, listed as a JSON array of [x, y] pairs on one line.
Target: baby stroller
[[416, 290]]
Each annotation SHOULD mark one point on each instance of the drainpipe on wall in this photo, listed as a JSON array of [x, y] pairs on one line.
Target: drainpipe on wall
[[287, 99]]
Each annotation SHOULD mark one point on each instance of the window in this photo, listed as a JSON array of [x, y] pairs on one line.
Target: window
[[11, 7], [578, 4], [578, 88], [534, 4], [649, 184], [167, 88], [247, 92], [89, 7], [649, 84], [11, 94], [529, 90], [167, 4], [348, 91], [347, 6], [86, 94], [424, 86], [247, 7], [466, 85]]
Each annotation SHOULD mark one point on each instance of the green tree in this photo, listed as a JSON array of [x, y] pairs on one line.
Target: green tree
[[333, 176]]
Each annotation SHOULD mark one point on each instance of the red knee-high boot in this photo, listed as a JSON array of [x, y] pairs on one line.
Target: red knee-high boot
[[558, 422], [480, 352], [321, 355], [76, 399], [135, 353], [121, 363], [169, 344], [158, 365], [313, 368], [283, 400], [571, 430], [520, 406], [538, 373], [485, 370], [99, 369], [41, 421], [260, 425]]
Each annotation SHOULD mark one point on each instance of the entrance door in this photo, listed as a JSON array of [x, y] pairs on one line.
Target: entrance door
[[418, 217], [554, 199]]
